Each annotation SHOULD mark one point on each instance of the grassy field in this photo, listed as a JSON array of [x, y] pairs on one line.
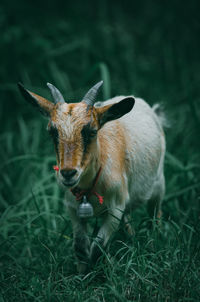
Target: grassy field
[[149, 49]]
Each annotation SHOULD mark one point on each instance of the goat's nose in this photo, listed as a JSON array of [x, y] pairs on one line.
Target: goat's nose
[[68, 173]]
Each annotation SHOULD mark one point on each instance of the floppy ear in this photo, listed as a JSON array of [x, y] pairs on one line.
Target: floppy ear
[[114, 111], [44, 106]]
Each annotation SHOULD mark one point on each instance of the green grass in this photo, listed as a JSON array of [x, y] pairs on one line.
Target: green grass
[[150, 50]]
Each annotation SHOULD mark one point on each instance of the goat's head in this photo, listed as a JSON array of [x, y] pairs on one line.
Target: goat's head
[[74, 128]]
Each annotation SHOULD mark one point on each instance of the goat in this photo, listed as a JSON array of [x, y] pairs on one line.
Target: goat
[[116, 146]]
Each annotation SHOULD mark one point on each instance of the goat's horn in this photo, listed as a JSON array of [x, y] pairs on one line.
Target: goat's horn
[[57, 96], [90, 96]]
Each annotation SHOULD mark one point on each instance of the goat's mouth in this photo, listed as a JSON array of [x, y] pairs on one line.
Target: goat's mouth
[[70, 184]]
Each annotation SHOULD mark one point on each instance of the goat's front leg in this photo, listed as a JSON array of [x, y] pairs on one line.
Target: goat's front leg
[[110, 224], [81, 240]]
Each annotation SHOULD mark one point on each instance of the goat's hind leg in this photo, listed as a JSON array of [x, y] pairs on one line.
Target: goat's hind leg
[[128, 226], [155, 202]]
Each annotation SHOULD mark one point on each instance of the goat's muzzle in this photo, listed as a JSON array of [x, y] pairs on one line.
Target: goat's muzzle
[[69, 177]]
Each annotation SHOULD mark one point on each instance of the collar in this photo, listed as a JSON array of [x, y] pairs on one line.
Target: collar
[[79, 193]]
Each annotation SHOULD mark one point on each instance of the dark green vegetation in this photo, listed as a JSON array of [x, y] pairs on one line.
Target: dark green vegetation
[[149, 49]]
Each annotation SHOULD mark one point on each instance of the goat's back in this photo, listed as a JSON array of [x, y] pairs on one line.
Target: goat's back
[[138, 138]]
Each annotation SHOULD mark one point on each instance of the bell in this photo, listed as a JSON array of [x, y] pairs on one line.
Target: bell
[[85, 209]]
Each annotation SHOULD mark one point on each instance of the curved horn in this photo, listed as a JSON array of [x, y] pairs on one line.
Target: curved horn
[[57, 96], [90, 96]]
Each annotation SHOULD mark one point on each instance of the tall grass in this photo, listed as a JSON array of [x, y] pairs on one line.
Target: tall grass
[[150, 50]]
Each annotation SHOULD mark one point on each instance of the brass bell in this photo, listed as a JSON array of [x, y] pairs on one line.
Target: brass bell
[[85, 209]]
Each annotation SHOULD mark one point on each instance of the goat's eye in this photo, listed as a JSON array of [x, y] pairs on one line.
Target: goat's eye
[[93, 133], [88, 134], [54, 134]]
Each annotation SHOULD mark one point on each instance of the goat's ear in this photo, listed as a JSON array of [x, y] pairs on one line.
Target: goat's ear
[[44, 106], [114, 111]]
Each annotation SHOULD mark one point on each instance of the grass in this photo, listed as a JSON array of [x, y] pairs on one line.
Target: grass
[[37, 262], [135, 49]]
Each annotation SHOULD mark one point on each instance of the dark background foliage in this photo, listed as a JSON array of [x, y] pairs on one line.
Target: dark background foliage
[[146, 48]]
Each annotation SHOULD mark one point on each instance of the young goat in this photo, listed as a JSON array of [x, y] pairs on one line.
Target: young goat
[[112, 153]]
